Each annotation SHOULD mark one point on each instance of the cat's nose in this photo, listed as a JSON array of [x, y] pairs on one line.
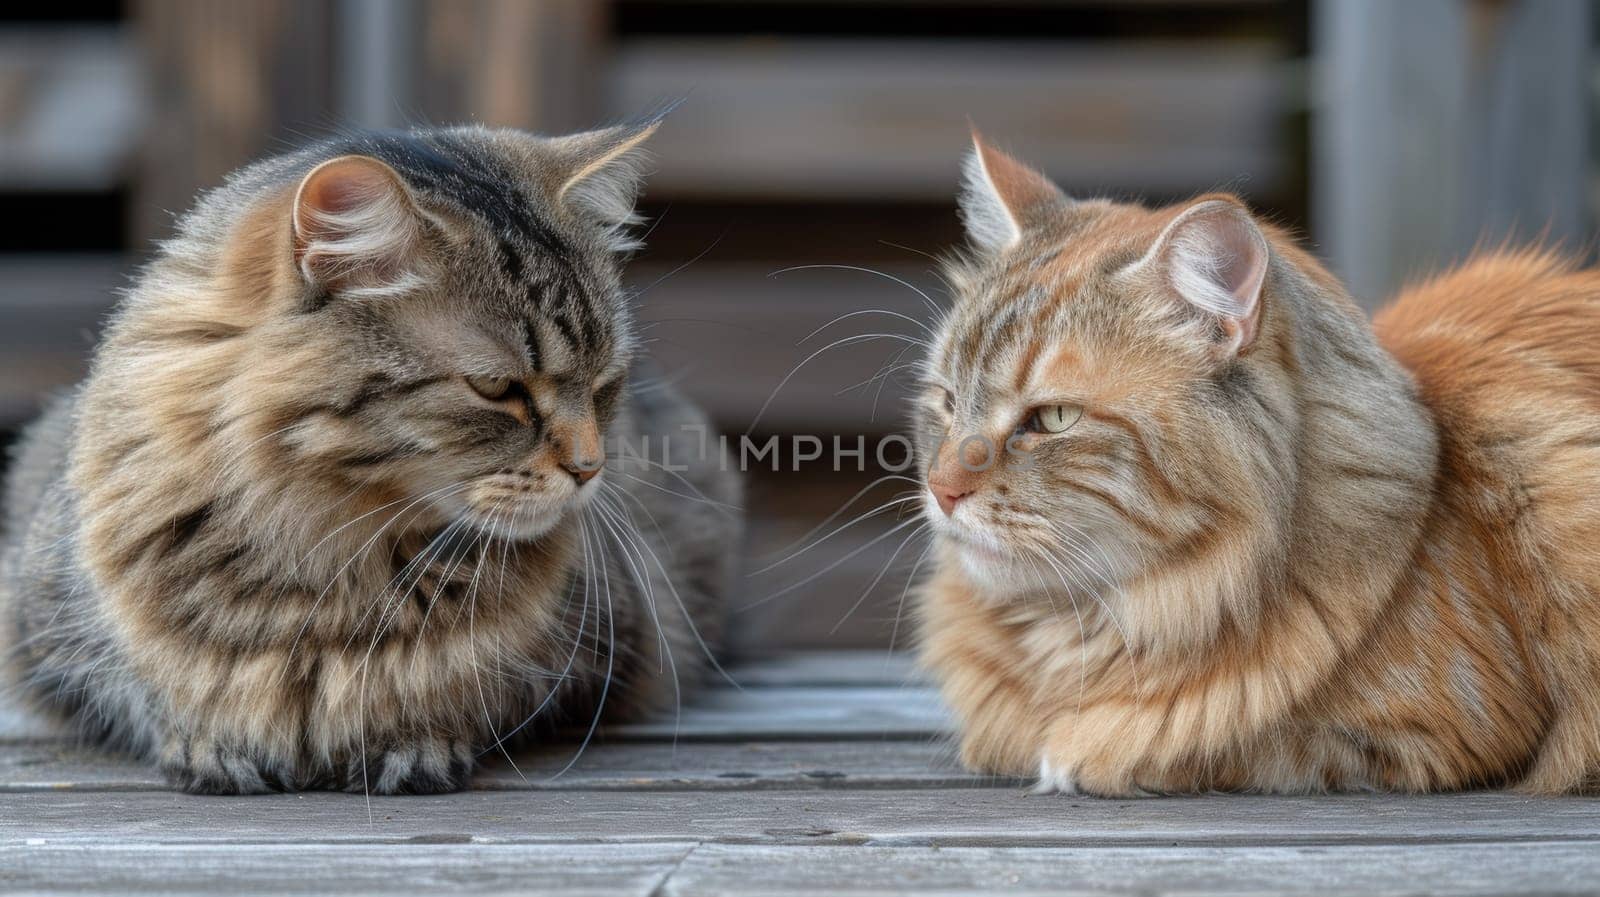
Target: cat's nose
[[947, 496], [583, 470]]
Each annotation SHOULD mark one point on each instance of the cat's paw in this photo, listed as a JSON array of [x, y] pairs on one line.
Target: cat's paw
[[1057, 776], [426, 766], [213, 769], [1054, 779]]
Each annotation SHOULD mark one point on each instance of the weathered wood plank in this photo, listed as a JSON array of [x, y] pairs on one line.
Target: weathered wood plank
[[1538, 867], [234, 80], [716, 869], [423, 867], [707, 870], [51, 308], [1445, 126], [509, 63], [71, 102], [746, 766], [985, 817], [819, 118]]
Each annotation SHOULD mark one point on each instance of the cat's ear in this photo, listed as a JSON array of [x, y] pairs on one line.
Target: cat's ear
[[356, 229], [1000, 196], [1214, 256], [603, 173]]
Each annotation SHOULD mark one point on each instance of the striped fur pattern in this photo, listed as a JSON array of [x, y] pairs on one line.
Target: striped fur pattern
[[1276, 551], [331, 509]]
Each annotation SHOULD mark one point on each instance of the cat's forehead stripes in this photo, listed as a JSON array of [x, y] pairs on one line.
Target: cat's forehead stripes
[[558, 348], [531, 344], [480, 184], [546, 280], [995, 351], [1044, 298]]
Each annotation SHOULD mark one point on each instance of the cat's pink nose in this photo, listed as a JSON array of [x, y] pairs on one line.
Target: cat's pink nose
[[947, 496], [582, 470]]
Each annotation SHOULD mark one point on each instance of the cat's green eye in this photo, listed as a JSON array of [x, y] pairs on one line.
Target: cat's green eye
[[491, 388], [1053, 418]]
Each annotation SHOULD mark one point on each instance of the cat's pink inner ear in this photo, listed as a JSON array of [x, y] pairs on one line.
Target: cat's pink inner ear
[[1216, 259], [1001, 195], [355, 228]]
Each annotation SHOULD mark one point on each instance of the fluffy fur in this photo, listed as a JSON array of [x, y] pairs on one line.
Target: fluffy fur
[[1276, 551], [325, 513]]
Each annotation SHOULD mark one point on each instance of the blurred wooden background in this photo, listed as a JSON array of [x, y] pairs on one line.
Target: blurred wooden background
[[1394, 135]]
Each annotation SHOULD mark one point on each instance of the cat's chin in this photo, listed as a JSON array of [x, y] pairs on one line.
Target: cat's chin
[[529, 528], [533, 517], [523, 525], [986, 565], [994, 573]]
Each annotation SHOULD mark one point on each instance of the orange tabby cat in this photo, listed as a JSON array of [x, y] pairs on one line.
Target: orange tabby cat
[[1240, 542]]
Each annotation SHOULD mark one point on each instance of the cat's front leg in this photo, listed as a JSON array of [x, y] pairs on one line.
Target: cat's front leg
[[202, 763], [424, 765], [998, 728], [1081, 754], [1061, 773], [209, 763]]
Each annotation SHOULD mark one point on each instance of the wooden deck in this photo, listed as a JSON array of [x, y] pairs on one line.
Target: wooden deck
[[824, 773]]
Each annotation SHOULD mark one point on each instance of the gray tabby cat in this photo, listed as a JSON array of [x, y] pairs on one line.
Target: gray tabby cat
[[340, 504]]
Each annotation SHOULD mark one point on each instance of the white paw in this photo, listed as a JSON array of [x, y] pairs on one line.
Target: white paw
[[1053, 780]]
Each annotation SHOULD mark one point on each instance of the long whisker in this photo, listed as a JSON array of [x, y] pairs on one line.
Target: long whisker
[[900, 605], [565, 675], [379, 628], [845, 507], [1133, 658], [413, 571], [618, 530], [864, 311], [609, 515], [611, 655], [688, 618], [1083, 635], [342, 527], [697, 495], [831, 567], [477, 673], [441, 492], [842, 341], [894, 367], [933, 306], [886, 506], [639, 293], [879, 578]]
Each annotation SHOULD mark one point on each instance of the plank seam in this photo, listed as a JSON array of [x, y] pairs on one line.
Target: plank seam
[[896, 842], [660, 889]]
